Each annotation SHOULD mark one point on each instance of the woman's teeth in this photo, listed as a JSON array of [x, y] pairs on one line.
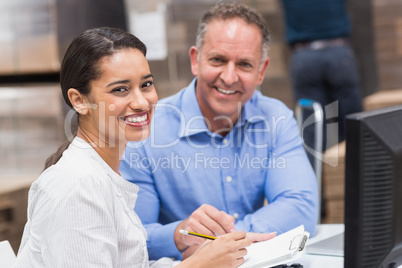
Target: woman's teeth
[[137, 119]]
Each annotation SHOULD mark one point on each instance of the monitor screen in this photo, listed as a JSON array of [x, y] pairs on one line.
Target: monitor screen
[[373, 189]]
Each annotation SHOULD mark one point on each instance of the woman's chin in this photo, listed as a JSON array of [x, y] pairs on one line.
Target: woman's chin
[[138, 136]]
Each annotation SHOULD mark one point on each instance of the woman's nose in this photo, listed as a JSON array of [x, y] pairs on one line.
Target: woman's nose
[[138, 101]]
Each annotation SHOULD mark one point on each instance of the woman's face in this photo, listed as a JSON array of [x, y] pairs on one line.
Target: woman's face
[[124, 98]]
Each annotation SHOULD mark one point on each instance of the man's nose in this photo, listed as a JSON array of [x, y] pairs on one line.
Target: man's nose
[[229, 74]]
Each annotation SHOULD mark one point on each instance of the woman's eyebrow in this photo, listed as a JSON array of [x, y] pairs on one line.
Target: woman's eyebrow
[[118, 82], [147, 76], [127, 80]]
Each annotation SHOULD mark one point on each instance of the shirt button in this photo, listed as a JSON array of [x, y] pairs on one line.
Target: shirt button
[[235, 215], [225, 141], [228, 179]]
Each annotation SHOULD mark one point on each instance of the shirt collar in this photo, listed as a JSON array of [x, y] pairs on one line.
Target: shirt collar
[[83, 147], [194, 120], [252, 112]]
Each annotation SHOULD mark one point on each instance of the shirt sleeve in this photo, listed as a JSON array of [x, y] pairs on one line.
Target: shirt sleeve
[[80, 230], [290, 189], [160, 241], [163, 263]]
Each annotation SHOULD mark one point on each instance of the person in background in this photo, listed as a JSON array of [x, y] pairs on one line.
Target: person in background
[[323, 66], [219, 148], [80, 211]]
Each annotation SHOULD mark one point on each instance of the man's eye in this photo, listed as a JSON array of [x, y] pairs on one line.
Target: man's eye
[[245, 64], [216, 60]]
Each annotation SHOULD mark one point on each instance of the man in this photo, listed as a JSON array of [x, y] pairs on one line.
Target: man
[[218, 148]]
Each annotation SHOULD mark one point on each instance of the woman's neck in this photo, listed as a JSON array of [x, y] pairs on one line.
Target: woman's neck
[[110, 153]]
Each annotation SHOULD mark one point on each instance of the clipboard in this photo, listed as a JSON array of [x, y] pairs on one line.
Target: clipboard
[[283, 248]]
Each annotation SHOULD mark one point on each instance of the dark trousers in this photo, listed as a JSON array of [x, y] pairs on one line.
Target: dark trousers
[[327, 75]]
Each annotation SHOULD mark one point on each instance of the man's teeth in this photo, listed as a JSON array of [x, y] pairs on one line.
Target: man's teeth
[[224, 91], [137, 119]]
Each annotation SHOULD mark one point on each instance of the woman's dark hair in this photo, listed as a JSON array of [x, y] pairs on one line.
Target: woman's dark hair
[[80, 64]]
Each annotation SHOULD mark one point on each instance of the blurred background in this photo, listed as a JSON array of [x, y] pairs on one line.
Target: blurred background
[[34, 34]]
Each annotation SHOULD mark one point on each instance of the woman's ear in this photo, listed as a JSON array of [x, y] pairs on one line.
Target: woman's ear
[[78, 101]]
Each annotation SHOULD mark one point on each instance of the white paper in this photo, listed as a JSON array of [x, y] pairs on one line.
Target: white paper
[[278, 250]]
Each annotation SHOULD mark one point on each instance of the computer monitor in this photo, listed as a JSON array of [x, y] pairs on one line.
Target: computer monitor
[[373, 189]]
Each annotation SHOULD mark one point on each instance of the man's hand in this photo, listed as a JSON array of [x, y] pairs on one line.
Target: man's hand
[[205, 220]]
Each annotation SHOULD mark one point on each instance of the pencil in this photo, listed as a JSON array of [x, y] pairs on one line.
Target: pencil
[[197, 234]]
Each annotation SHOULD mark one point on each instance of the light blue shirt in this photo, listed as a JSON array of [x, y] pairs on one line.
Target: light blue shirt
[[183, 165]]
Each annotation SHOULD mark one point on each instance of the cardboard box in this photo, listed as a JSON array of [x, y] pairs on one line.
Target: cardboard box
[[382, 99], [13, 207], [387, 25], [333, 184]]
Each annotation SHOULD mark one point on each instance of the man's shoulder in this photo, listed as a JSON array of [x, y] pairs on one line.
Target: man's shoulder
[[267, 104], [172, 99], [170, 104], [174, 109]]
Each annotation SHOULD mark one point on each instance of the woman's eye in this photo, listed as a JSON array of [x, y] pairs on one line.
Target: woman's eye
[[147, 84], [119, 89]]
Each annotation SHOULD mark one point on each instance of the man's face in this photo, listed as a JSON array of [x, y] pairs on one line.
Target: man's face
[[228, 68]]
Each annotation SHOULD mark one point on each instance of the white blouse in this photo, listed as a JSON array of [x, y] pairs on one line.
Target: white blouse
[[80, 214]]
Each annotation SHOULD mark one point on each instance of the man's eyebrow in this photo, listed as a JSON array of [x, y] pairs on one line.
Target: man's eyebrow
[[222, 56], [127, 80], [246, 59], [216, 55]]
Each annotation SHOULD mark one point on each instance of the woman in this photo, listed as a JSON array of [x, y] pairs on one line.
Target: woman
[[80, 211]]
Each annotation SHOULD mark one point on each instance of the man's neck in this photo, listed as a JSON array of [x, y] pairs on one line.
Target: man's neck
[[221, 126]]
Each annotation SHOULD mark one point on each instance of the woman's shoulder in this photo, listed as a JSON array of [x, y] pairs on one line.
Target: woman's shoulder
[[74, 170]]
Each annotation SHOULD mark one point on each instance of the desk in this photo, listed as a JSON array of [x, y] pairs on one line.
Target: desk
[[323, 231], [319, 261]]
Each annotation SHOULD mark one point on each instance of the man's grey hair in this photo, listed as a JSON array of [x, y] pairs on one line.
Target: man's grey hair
[[231, 10]]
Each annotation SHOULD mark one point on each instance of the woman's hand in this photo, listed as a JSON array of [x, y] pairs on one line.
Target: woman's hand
[[226, 251], [254, 237], [257, 237], [205, 220]]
